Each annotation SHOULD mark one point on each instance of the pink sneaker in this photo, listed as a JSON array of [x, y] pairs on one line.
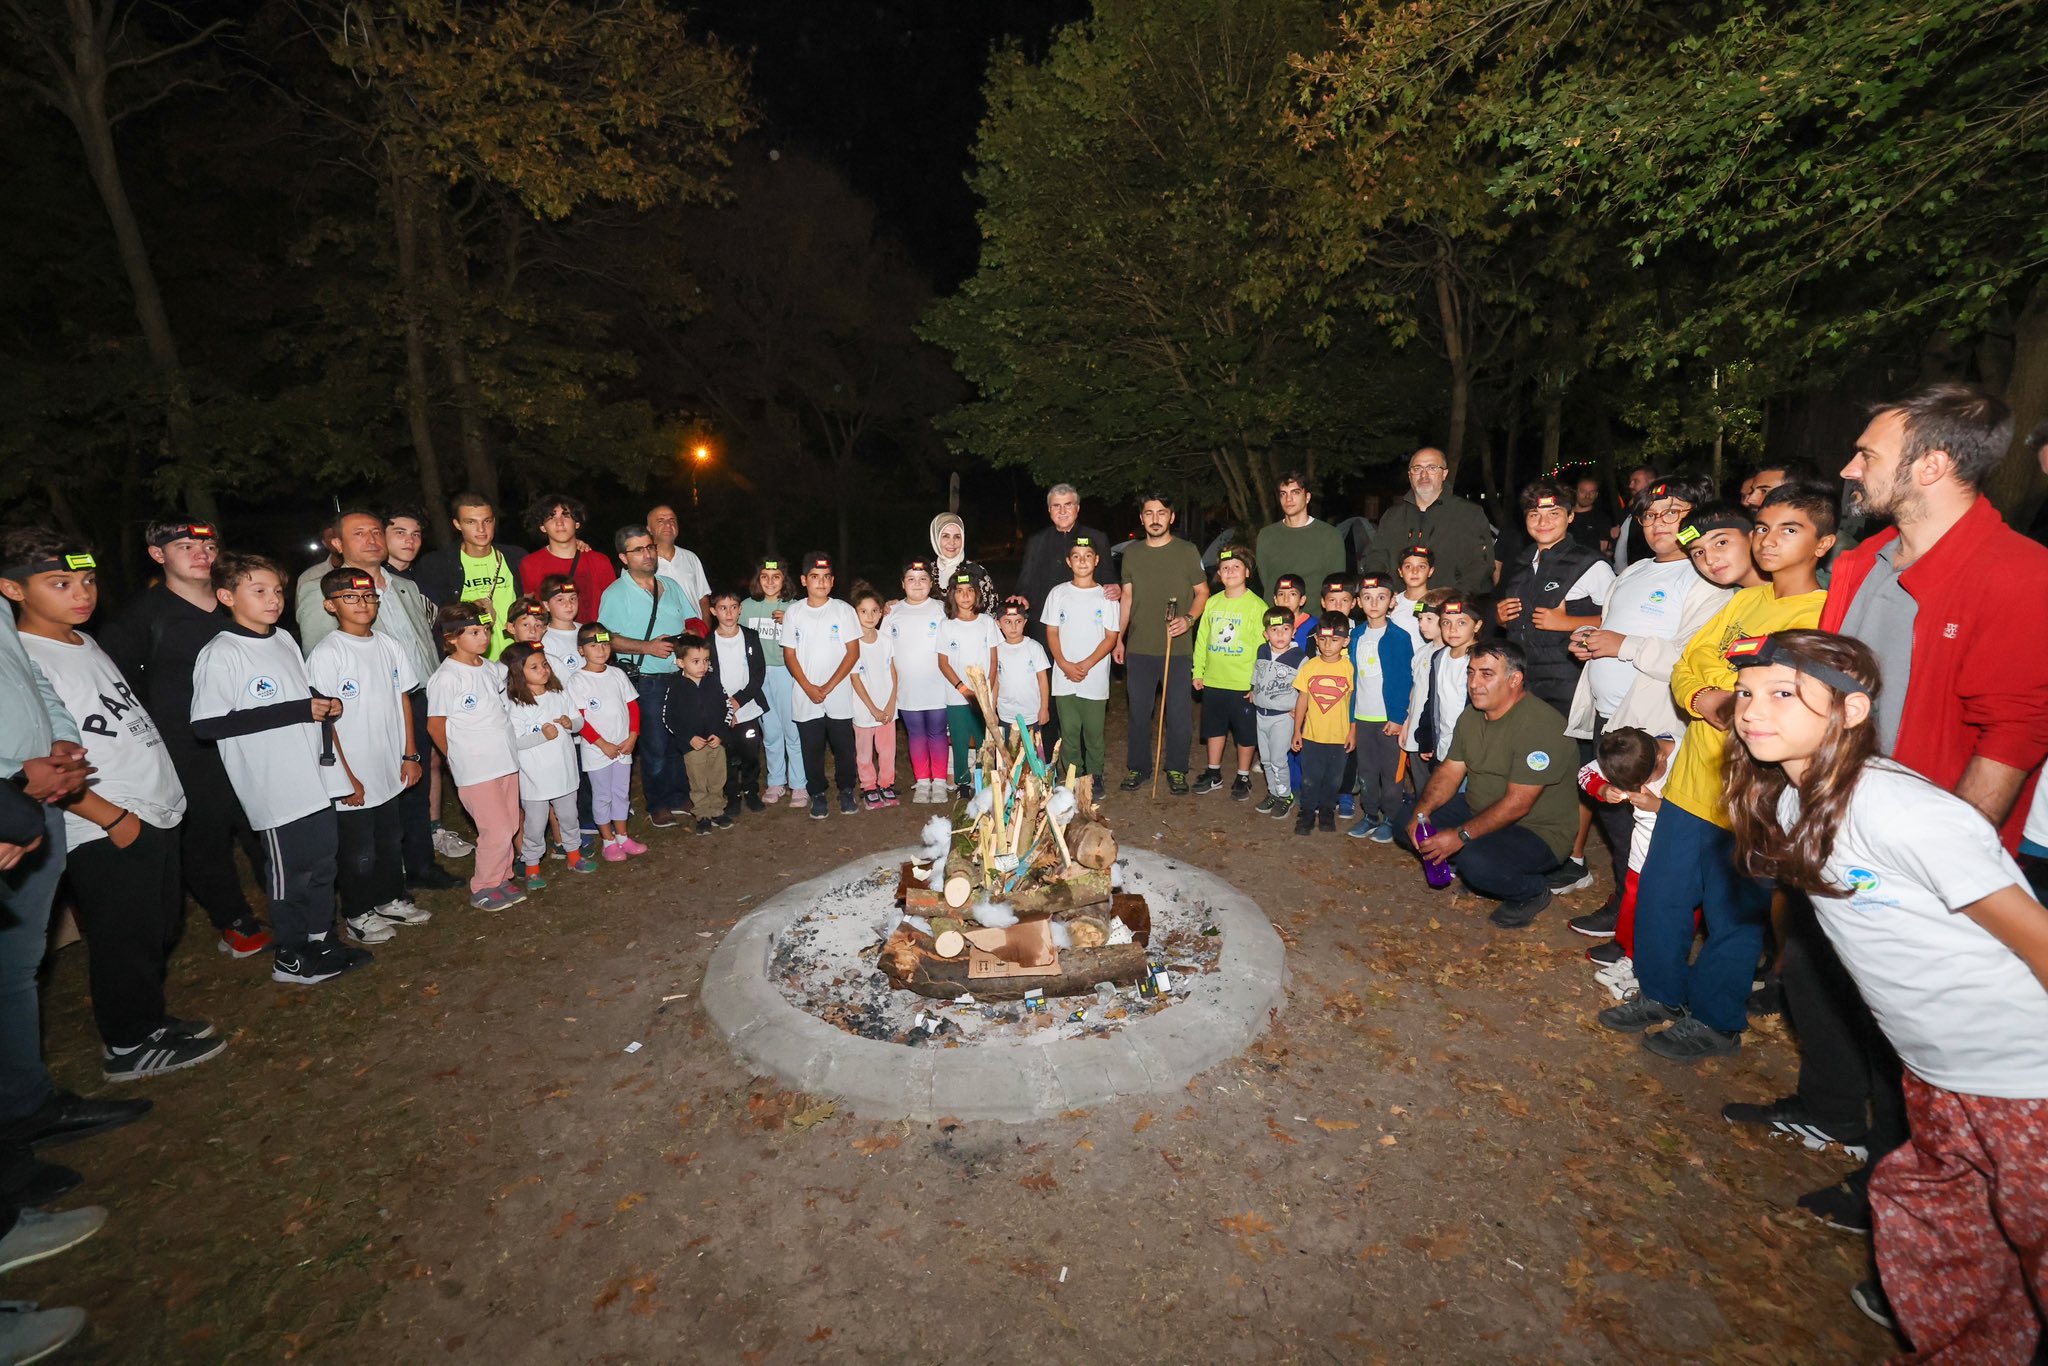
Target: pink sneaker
[[771, 795], [613, 852], [632, 846]]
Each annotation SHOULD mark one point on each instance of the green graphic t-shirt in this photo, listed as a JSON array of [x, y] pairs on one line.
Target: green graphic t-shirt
[[490, 580]]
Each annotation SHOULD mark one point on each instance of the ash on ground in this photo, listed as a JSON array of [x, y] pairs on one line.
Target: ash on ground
[[824, 964]]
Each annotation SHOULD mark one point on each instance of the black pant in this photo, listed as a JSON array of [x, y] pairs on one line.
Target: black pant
[[206, 837], [1141, 680], [300, 880], [743, 761], [585, 816], [130, 906], [1617, 820], [1849, 1077], [814, 735], [368, 867], [415, 812]]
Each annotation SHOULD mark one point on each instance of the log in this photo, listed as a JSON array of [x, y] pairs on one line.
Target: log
[[1093, 843], [916, 897], [1136, 914], [1085, 890], [1080, 969], [962, 872]]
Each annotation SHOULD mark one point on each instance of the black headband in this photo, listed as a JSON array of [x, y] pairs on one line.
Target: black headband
[[1759, 652], [21, 573], [184, 531]]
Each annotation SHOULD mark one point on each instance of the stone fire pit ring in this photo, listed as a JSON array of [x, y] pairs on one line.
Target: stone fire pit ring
[[1222, 1013]]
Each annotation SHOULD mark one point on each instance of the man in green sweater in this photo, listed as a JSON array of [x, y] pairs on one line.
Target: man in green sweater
[[1455, 530], [1226, 647], [1298, 543]]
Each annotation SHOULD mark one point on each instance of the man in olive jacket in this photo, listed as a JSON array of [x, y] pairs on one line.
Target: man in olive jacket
[[1454, 529]]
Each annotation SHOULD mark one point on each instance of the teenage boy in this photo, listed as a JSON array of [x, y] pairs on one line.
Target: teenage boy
[[405, 536], [1691, 860], [1383, 666], [1554, 586], [1226, 646], [250, 695], [559, 518], [820, 646], [155, 643], [1162, 573], [378, 748], [121, 830], [1273, 696], [696, 724], [1081, 625], [1299, 543], [479, 569], [1322, 723]]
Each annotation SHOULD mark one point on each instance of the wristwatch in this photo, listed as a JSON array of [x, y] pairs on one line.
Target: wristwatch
[[408, 758], [1464, 834]]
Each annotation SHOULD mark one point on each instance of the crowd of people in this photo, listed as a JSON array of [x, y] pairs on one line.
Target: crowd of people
[[1816, 767]]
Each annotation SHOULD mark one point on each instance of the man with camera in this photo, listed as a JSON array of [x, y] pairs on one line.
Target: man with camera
[[645, 615]]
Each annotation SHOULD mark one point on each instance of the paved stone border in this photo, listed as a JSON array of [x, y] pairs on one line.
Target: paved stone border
[[1221, 1015]]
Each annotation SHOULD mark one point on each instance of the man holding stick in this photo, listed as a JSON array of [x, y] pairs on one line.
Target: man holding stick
[[1158, 671]]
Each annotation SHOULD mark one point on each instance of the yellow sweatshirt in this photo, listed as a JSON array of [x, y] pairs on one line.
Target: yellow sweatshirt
[[1695, 782]]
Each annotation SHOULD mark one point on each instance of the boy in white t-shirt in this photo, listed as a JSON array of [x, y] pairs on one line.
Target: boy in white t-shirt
[[378, 752], [121, 829], [471, 723], [1081, 627], [821, 646], [1023, 688], [251, 697]]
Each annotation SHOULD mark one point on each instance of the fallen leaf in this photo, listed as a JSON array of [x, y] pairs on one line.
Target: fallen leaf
[[819, 1336], [1039, 1181], [1336, 1126], [568, 1222], [1084, 1144], [816, 1115], [868, 1147], [1144, 1122], [1388, 1140], [629, 1201], [1073, 1114]]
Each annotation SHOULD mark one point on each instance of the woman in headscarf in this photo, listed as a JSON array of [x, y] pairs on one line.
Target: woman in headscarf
[[949, 543]]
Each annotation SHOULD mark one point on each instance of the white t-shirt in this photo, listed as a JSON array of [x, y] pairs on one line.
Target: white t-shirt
[[2035, 831], [276, 773], [559, 645], [966, 645], [732, 670], [1962, 1009], [604, 699], [1451, 681], [819, 636], [120, 738], [1647, 600], [1017, 669], [686, 571], [547, 764], [371, 676], [913, 629], [1645, 822], [873, 669], [1595, 583], [472, 698], [1369, 683], [1408, 619], [1083, 617]]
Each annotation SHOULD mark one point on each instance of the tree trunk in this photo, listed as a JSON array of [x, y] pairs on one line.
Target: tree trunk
[[452, 289], [2018, 486], [1460, 357], [418, 409], [1553, 433]]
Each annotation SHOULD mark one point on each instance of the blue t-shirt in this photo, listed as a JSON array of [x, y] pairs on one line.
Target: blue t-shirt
[[624, 609]]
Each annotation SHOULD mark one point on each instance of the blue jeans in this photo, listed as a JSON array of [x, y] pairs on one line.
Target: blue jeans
[[25, 895], [661, 768], [1691, 864], [781, 747], [1322, 771], [1508, 864]]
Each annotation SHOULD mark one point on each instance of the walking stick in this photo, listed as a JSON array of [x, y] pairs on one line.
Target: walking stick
[[1166, 673]]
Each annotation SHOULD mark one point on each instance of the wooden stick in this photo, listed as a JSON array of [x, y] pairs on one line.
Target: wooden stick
[[1159, 729]]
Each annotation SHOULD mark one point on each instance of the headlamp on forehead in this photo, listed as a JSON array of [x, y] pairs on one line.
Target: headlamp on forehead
[[1688, 534], [58, 564], [1457, 605], [485, 620], [1761, 652], [1371, 581], [1082, 541], [357, 583], [1226, 554], [772, 564], [959, 579], [600, 637], [184, 531], [1547, 503]]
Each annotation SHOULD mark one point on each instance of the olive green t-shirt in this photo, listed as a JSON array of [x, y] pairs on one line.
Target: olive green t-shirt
[[1528, 745], [1151, 575]]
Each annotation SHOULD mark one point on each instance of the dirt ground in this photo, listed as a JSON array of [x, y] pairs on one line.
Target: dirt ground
[[1433, 1155]]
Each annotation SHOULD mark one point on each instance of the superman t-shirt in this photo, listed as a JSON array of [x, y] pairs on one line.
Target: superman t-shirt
[[1327, 685]]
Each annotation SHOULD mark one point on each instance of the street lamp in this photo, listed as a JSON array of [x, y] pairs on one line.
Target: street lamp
[[699, 454]]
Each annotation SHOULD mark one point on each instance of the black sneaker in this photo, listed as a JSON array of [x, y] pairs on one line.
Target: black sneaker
[[1305, 823], [1241, 788], [1176, 783], [1635, 1016], [1788, 1118], [1265, 808], [1606, 954], [29, 1181], [160, 1052], [1282, 806], [1768, 999], [721, 821], [187, 1029], [1691, 1039], [1326, 821], [1869, 1297], [435, 879], [1840, 1206], [703, 825], [848, 804], [1211, 779], [1569, 876], [1133, 780], [307, 965], [818, 811], [1601, 924], [1515, 915], [754, 802]]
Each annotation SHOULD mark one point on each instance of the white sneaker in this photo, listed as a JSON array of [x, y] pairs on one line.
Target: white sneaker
[[404, 912], [370, 929], [931, 790], [448, 844], [1619, 979]]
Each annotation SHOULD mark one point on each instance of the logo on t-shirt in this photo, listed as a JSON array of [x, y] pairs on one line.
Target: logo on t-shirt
[[469, 701], [1657, 595], [1538, 761], [263, 688], [1862, 880], [1328, 691], [394, 675], [590, 703], [350, 690]]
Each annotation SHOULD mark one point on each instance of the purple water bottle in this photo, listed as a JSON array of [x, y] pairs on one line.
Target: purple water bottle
[[1435, 871]]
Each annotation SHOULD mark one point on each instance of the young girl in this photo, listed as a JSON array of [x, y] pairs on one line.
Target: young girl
[[874, 689], [913, 625], [741, 668], [968, 641], [610, 707], [1935, 923], [544, 726], [558, 594], [1023, 673], [762, 613], [468, 718]]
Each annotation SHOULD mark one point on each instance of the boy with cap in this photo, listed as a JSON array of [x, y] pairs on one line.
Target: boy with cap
[[1081, 625], [1272, 698], [1225, 649], [820, 646], [1382, 658]]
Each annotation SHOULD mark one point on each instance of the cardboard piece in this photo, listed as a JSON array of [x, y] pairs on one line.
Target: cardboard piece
[[983, 966]]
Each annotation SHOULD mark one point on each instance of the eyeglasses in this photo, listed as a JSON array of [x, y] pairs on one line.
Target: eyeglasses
[[1427, 469], [1652, 517], [357, 599]]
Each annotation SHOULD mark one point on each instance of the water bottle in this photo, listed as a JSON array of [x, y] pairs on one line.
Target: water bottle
[[1435, 871]]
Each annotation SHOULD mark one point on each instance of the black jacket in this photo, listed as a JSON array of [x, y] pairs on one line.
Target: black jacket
[[694, 707], [757, 671], [1553, 673], [438, 573], [155, 643]]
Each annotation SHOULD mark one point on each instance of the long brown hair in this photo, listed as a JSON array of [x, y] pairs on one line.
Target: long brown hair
[[514, 659], [1797, 858]]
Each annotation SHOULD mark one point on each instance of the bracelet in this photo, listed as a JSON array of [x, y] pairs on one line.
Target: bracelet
[[109, 826]]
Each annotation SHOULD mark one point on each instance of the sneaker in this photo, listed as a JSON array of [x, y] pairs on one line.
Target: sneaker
[[1788, 1118], [1283, 806], [1600, 924], [1241, 788], [1265, 808], [963, 792], [160, 1052], [489, 899], [312, 963], [1768, 999], [41, 1233], [661, 818], [533, 882], [770, 796], [583, 863], [1842, 1207], [1305, 823], [404, 912], [1363, 828], [448, 844], [721, 821], [244, 939], [1570, 876], [754, 802], [889, 797], [28, 1181], [370, 929], [30, 1334], [589, 847], [1176, 783], [1869, 1296], [1133, 780], [1619, 980], [1347, 806], [556, 851], [703, 825], [818, 811], [1383, 833], [513, 895], [176, 1028], [1326, 821], [614, 851], [1635, 1016], [1515, 915], [1690, 1040], [1606, 954], [434, 879], [847, 804], [634, 848]]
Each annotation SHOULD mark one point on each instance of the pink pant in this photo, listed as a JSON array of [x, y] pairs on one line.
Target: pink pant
[[1962, 1225], [494, 806], [927, 730], [874, 750]]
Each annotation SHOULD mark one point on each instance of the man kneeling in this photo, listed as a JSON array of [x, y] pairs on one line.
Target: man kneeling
[[1518, 812]]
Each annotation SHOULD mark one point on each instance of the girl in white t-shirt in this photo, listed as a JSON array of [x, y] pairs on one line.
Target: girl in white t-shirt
[[913, 625], [544, 726], [1936, 925], [610, 709], [558, 594], [968, 640], [466, 715], [1023, 674], [874, 713]]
